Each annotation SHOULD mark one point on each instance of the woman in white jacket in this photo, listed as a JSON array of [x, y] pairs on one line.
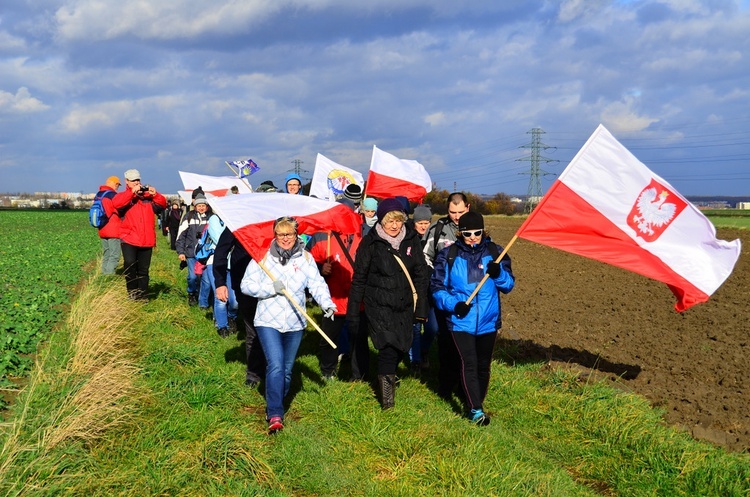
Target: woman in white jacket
[[279, 324]]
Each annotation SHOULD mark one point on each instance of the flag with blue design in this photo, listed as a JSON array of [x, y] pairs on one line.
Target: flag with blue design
[[245, 167]]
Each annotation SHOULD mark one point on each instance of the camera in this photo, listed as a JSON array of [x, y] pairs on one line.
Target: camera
[[143, 189]]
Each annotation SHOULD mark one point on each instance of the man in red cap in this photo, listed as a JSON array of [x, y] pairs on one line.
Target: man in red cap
[[110, 232]]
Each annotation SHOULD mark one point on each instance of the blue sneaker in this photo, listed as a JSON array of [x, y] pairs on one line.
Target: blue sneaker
[[478, 417]]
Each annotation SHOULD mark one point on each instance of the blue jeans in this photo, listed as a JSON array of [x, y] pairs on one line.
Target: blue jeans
[[222, 310], [280, 350], [205, 289], [420, 345], [192, 278]]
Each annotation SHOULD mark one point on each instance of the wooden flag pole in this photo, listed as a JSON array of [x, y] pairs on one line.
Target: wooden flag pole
[[301, 309], [486, 276]]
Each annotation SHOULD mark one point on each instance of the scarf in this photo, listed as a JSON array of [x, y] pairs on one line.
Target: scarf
[[371, 221], [395, 241], [285, 255]]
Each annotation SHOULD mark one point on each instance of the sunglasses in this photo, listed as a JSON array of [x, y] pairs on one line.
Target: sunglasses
[[467, 234]]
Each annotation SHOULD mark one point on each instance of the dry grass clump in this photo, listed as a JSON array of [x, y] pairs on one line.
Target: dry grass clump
[[79, 390]]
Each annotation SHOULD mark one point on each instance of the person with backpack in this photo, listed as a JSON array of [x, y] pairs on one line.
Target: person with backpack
[[441, 234], [225, 310], [188, 235], [106, 219], [473, 327], [137, 204]]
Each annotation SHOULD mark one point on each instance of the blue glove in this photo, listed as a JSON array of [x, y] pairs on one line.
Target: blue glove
[[278, 286]]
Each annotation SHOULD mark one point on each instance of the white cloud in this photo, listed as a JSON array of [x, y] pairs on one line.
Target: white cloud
[[21, 102], [108, 114], [621, 117]]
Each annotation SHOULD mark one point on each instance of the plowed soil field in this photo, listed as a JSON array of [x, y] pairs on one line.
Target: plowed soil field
[[578, 313]]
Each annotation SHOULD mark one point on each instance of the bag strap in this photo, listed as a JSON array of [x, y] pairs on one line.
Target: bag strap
[[346, 251], [411, 283]]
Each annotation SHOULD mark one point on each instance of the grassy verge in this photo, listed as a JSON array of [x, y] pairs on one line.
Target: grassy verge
[[146, 399]]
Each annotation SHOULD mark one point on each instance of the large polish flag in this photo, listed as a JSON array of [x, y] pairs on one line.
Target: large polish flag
[[610, 207], [216, 186], [331, 179], [390, 176], [251, 217]]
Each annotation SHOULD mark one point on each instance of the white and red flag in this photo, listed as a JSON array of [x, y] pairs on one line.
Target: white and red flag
[[331, 179], [390, 176], [610, 207], [213, 186], [251, 217]]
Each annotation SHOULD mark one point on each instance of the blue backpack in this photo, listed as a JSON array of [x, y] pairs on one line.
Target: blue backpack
[[97, 216], [205, 246]]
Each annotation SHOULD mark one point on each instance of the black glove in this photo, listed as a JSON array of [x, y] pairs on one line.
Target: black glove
[[462, 309], [183, 265], [493, 269]]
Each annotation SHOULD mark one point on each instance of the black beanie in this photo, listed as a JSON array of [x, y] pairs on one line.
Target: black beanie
[[471, 221]]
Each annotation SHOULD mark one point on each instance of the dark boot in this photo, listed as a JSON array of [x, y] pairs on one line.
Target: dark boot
[[387, 390]]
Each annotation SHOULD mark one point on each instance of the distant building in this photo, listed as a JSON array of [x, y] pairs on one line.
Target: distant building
[[743, 205]]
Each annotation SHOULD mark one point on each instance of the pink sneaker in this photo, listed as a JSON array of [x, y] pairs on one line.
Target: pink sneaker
[[275, 424]]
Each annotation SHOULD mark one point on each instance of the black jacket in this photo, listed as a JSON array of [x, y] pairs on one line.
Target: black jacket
[[239, 260], [381, 284]]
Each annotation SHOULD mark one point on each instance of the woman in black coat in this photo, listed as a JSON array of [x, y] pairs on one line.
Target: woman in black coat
[[390, 304]]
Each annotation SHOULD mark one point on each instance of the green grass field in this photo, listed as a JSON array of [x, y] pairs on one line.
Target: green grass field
[[146, 399]]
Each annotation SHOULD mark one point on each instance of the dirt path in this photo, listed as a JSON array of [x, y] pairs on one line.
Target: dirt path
[[576, 312]]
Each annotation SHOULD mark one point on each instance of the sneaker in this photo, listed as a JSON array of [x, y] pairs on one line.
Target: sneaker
[[252, 383], [192, 300], [232, 326], [275, 424], [329, 378], [223, 332], [478, 417]]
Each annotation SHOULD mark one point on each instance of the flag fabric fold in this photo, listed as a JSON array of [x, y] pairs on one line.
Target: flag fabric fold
[[216, 186], [251, 217], [331, 179], [608, 206], [245, 167], [390, 176]]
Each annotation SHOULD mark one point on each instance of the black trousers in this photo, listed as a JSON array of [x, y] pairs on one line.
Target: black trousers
[[256, 360], [136, 263], [328, 357], [448, 357], [475, 360], [360, 348], [388, 359]]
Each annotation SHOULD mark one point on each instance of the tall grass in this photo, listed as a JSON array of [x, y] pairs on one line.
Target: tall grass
[[183, 422], [83, 386]]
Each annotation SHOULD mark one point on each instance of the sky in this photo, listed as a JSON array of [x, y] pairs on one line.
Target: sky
[[90, 88]]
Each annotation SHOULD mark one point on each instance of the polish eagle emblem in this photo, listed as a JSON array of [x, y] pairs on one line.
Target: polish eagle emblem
[[654, 209]]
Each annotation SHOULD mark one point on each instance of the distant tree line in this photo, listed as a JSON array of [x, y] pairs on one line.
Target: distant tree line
[[499, 203]]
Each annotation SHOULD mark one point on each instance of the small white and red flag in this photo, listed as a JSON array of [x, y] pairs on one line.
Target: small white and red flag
[[608, 206], [216, 186], [390, 177], [251, 217]]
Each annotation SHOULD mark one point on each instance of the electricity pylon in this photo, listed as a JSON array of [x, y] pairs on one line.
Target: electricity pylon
[[534, 194]]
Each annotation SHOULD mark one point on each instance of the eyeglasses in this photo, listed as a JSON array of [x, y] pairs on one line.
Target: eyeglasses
[[286, 235], [467, 234]]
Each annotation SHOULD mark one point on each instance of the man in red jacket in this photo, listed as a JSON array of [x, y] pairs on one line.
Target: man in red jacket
[[110, 232], [138, 205]]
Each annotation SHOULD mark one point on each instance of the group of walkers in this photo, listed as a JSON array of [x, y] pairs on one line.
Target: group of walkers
[[400, 281]]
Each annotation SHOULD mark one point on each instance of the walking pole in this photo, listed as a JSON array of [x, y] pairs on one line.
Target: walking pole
[[299, 307], [486, 276]]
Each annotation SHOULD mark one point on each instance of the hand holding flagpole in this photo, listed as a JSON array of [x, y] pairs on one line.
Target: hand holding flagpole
[[487, 276], [301, 309]]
